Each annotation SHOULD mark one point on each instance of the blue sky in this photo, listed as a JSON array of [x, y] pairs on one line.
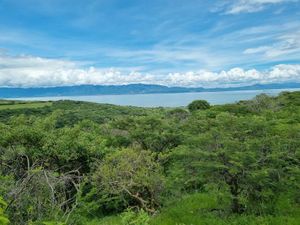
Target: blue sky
[[170, 42]]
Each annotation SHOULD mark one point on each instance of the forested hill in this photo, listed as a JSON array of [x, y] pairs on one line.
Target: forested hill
[[10, 92], [79, 163]]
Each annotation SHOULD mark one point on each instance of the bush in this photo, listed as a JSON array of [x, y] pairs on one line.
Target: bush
[[131, 178], [198, 105], [178, 113]]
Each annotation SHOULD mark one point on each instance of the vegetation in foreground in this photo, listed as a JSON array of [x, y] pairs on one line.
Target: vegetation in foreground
[[79, 163]]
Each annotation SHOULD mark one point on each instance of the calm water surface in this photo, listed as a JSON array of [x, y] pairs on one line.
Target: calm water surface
[[168, 100]]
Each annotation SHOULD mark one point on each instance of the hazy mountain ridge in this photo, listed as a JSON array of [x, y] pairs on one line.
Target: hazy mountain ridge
[[15, 92]]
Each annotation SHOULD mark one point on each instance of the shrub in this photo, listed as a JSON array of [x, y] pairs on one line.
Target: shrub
[[198, 105], [132, 177]]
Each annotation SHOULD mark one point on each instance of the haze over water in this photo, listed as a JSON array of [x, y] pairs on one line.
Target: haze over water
[[167, 100]]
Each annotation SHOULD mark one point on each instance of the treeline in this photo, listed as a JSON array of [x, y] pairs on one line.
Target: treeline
[[72, 162]]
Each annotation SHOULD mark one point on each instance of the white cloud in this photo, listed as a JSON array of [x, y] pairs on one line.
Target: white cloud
[[35, 71], [237, 77], [250, 6], [284, 45], [29, 71]]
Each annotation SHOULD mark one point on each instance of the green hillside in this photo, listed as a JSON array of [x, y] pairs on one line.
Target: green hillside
[[69, 162]]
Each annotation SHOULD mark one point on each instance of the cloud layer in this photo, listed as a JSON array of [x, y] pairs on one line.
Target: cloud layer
[[250, 6], [29, 71], [286, 44]]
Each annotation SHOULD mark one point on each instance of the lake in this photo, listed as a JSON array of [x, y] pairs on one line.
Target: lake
[[167, 100]]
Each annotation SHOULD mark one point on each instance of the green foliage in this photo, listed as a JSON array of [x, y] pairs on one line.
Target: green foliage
[[39, 195], [135, 218], [178, 113], [262, 102], [242, 154], [3, 218], [130, 177], [49, 223], [203, 208], [86, 163], [199, 209], [198, 105], [29, 105], [152, 133]]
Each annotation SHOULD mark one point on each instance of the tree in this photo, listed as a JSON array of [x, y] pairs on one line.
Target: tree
[[155, 134], [198, 105], [244, 156], [178, 114], [262, 102], [131, 176]]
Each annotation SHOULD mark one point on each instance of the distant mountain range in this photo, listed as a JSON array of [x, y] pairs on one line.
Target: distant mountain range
[[9, 92]]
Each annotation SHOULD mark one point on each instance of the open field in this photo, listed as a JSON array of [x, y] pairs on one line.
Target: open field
[[22, 105]]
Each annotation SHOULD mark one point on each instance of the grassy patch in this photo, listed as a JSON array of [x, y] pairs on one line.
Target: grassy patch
[[191, 209], [24, 105], [202, 209]]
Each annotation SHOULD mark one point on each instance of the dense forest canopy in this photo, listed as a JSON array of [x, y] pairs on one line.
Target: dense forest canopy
[[69, 162]]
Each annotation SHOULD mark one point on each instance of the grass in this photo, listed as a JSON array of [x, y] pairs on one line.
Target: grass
[[192, 209], [203, 209], [22, 105], [110, 220]]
